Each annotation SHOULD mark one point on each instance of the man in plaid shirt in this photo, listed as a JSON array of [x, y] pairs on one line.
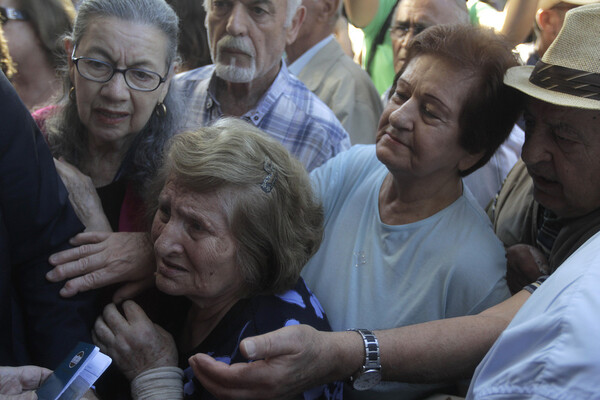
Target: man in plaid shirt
[[249, 79]]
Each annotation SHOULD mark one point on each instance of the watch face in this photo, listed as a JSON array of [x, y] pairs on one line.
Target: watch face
[[367, 380]]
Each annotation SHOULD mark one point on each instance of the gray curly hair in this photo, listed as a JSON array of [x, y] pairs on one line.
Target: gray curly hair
[[273, 212]]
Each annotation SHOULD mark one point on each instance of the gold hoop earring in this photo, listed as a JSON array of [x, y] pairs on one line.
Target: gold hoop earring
[[72, 93], [160, 110]]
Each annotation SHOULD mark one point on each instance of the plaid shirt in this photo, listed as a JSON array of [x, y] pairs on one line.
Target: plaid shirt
[[288, 111]]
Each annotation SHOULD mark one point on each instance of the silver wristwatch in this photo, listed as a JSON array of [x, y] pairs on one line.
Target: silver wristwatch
[[369, 374]]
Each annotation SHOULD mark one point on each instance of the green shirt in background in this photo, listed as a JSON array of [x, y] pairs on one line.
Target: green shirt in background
[[382, 66], [478, 10]]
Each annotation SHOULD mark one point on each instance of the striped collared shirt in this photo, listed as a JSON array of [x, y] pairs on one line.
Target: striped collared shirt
[[288, 111]]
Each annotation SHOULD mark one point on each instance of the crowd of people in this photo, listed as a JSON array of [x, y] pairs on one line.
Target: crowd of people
[[229, 206]]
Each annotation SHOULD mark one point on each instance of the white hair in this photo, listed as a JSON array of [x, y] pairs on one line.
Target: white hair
[[292, 7]]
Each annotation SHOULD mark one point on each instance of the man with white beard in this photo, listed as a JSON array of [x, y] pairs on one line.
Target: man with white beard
[[249, 79]]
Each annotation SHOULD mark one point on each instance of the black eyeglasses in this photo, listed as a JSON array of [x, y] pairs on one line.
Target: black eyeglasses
[[102, 72], [401, 29], [9, 13]]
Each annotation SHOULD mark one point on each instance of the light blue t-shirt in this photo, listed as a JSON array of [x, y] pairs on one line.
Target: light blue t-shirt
[[368, 274], [551, 349]]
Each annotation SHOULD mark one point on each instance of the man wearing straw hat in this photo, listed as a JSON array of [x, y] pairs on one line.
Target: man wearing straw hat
[[550, 349]]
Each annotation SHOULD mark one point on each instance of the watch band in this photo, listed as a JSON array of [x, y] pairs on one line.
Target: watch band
[[372, 358], [370, 373]]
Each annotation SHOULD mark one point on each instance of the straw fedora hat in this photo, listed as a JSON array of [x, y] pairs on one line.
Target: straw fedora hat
[[547, 4], [569, 72]]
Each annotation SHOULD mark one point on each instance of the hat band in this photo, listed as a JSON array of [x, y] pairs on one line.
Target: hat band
[[566, 80]]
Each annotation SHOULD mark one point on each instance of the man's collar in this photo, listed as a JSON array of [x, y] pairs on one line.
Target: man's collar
[[266, 101], [308, 55]]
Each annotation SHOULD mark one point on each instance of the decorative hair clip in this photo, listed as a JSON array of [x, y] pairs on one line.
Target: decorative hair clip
[[269, 182]]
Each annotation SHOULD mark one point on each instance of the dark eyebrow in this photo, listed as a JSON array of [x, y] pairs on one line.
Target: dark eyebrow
[[404, 81], [103, 53], [436, 100]]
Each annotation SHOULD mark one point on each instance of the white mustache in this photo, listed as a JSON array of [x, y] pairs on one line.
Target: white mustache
[[236, 43]]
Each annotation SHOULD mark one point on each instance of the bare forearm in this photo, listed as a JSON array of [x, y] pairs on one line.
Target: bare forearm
[[437, 351], [518, 20], [434, 351]]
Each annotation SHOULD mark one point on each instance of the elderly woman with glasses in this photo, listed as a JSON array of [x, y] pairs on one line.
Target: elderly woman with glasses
[[116, 114], [235, 219]]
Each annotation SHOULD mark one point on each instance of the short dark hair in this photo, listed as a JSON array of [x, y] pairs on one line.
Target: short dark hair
[[492, 108]]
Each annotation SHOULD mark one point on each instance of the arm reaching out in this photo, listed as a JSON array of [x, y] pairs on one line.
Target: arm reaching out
[[519, 16], [101, 259], [287, 364], [296, 358]]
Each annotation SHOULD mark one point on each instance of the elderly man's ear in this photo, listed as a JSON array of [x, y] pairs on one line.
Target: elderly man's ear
[[549, 21], [331, 7], [294, 28]]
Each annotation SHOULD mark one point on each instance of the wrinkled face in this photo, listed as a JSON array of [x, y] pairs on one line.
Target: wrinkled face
[[418, 132], [194, 247], [562, 154], [414, 16], [112, 112], [247, 38]]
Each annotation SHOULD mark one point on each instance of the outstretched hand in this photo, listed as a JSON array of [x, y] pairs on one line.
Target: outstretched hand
[[290, 361], [18, 383], [101, 259]]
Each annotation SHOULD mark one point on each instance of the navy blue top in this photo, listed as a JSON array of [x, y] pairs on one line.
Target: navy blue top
[[37, 326], [255, 316]]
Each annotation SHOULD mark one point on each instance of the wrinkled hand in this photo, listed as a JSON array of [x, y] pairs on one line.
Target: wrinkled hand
[[101, 259], [525, 264], [291, 360], [134, 342], [83, 197], [18, 383]]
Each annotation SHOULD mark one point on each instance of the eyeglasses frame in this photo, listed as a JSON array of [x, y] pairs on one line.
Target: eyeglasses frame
[[123, 71], [416, 29], [11, 14]]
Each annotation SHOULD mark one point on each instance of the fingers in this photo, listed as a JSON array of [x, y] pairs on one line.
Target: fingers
[[273, 375], [86, 244], [31, 377], [107, 327], [84, 283], [280, 342], [135, 314], [89, 238], [22, 396], [132, 289], [222, 380]]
